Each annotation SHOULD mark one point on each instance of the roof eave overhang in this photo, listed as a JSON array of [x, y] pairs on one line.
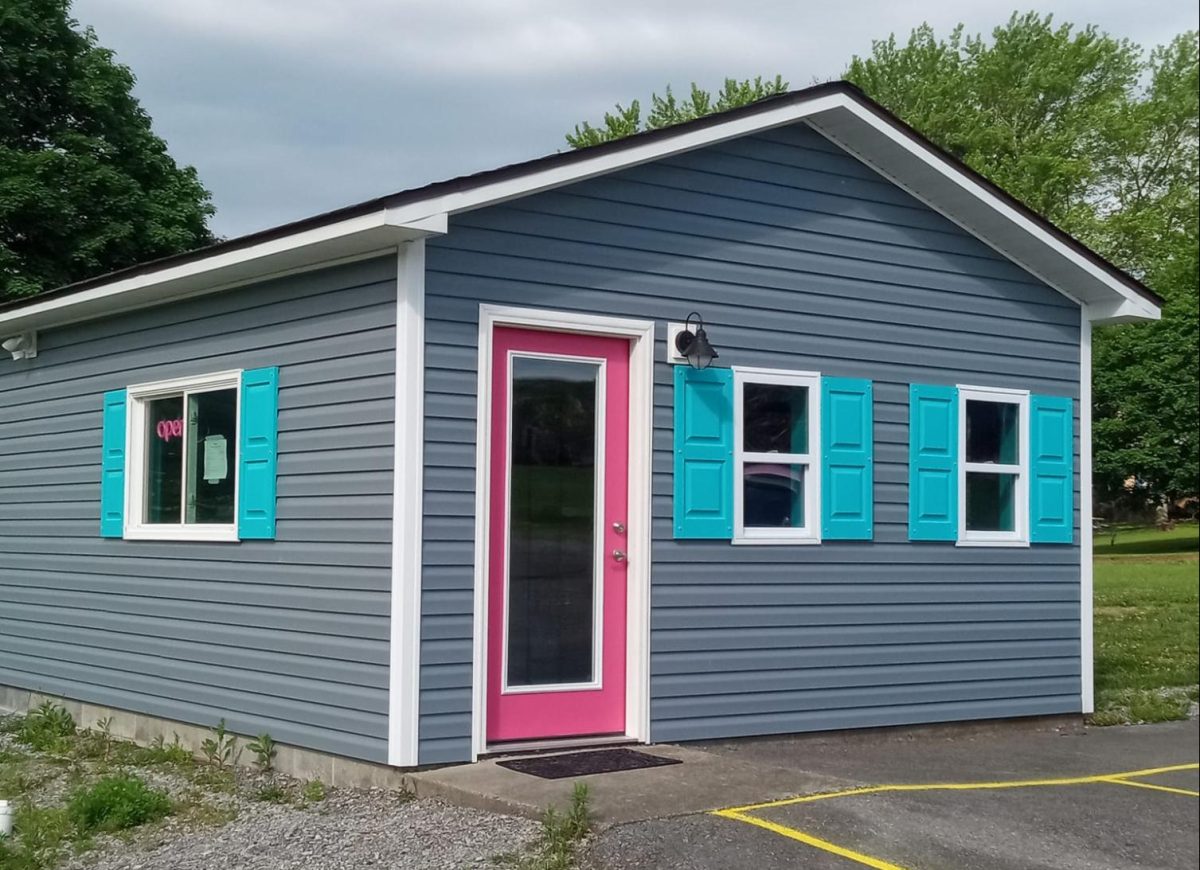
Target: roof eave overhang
[[353, 238], [842, 115], [979, 209]]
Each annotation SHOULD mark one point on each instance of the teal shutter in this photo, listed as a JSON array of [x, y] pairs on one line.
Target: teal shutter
[[932, 463], [112, 466], [847, 462], [1052, 468], [703, 453], [256, 453]]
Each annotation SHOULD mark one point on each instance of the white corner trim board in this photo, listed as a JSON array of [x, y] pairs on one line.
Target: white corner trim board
[[404, 667], [1086, 570], [641, 410]]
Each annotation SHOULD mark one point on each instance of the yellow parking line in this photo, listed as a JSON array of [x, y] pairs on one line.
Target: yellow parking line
[[741, 814], [962, 786], [1167, 788], [807, 839]]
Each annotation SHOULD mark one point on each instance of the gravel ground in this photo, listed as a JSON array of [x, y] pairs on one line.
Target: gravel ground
[[350, 829], [224, 825]]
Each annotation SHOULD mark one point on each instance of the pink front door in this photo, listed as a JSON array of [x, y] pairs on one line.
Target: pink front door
[[556, 548]]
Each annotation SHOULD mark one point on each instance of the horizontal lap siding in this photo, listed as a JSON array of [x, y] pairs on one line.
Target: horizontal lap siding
[[798, 257], [287, 636]]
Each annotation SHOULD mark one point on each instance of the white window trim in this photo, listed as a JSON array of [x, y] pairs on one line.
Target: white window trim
[[810, 533], [1019, 537], [137, 395]]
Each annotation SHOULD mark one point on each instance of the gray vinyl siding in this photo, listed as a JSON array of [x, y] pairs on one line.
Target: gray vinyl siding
[[287, 636], [798, 257]]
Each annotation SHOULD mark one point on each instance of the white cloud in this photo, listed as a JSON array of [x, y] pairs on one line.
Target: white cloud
[[291, 107]]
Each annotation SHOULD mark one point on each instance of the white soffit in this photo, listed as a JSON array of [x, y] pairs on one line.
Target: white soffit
[[955, 194], [349, 239], [835, 111]]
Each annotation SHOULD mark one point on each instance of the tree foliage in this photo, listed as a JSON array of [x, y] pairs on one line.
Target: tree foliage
[[668, 109], [1102, 139], [85, 185], [1089, 131]]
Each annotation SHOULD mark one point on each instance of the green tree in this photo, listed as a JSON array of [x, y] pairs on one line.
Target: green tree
[[669, 109], [1090, 132], [85, 185], [1147, 401]]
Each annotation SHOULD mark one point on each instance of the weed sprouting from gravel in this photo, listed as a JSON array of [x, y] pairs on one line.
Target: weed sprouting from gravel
[[314, 791], [46, 728], [116, 803], [264, 749], [272, 794], [560, 838], [221, 750]]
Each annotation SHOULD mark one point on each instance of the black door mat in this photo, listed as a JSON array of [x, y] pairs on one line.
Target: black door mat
[[586, 763]]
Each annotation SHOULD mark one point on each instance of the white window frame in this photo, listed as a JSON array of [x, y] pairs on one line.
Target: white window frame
[[810, 532], [137, 397], [1019, 537]]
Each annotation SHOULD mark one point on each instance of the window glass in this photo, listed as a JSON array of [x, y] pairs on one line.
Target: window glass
[[775, 418], [992, 432], [191, 465], [552, 521], [773, 495], [991, 502], [164, 460], [211, 433]]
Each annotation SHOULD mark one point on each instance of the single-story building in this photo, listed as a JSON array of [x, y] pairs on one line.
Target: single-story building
[[454, 470]]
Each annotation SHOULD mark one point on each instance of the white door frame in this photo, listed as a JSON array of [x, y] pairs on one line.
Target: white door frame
[[641, 407]]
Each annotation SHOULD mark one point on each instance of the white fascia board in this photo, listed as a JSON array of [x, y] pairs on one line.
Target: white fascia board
[[880, 144], [353, 238], [581, 170], [956, 195], [840, 117]]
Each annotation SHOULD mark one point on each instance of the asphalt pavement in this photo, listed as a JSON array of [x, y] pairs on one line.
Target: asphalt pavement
[[1067, 798]]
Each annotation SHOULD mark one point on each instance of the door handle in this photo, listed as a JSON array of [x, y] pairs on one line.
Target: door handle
[[619, 555]]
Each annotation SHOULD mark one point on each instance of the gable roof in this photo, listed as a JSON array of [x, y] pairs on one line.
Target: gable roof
[[837, 110]]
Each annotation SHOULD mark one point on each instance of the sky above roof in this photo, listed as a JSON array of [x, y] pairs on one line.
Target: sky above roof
[[288, 108]]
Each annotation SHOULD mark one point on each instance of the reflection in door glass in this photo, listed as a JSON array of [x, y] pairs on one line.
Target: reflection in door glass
[[551, 547]]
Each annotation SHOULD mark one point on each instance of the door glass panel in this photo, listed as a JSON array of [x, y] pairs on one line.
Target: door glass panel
[[552, 520]]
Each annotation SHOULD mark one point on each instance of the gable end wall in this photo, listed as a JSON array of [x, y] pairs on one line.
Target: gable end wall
[[798, 257]]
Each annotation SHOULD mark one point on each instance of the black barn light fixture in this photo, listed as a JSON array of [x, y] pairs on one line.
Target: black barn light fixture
[[694, 346]]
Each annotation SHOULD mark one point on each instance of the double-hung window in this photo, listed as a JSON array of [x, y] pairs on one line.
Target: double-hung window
[[183, 459], [777, 447], [993, 466]]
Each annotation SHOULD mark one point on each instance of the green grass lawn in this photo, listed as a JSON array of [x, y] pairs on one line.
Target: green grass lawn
[[1148, 541], [1147, 625]]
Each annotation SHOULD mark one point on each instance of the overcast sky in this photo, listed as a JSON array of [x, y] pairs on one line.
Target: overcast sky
[[292, 107]]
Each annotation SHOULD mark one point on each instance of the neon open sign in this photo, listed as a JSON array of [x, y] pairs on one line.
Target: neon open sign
[[168, 429]]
